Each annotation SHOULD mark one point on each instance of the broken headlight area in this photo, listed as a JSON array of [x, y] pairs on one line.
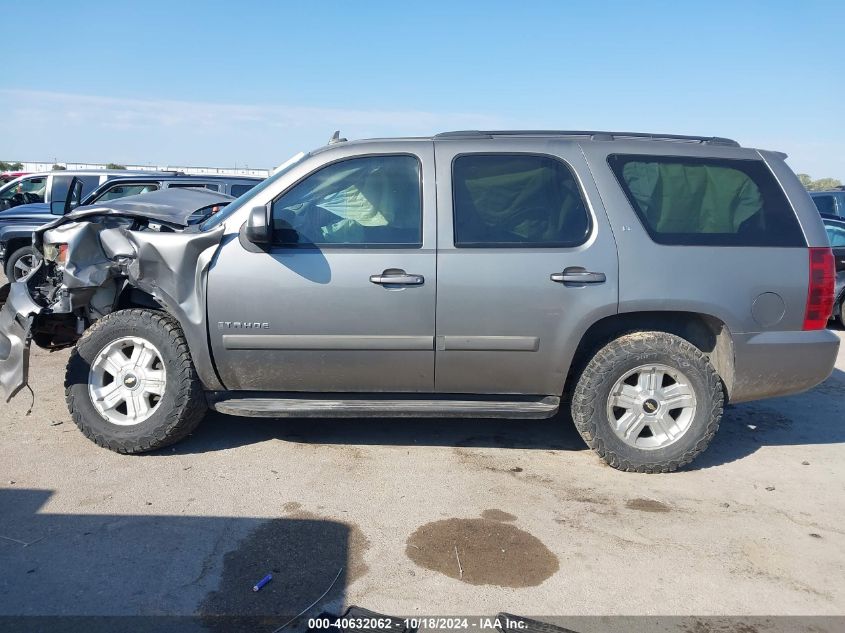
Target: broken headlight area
[[55, 253]]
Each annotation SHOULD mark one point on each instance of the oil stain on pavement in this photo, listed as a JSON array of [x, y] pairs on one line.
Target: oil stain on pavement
[[482, 551]]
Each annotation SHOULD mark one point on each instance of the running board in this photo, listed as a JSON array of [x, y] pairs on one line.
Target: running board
[[350, 406]]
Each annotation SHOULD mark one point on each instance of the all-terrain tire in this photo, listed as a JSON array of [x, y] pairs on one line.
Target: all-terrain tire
[[620, 356], [182, 404]]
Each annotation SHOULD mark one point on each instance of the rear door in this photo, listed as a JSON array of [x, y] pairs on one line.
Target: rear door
[[526, 262]]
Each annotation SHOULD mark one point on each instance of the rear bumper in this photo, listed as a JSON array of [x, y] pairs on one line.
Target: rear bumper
[[770, 364]]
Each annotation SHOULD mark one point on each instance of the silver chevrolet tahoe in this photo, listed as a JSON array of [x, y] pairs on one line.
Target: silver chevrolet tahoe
[[642, 280]]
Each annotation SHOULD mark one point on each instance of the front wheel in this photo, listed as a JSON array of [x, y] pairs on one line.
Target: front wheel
[[648, 402], [20, 263], [131, 385]]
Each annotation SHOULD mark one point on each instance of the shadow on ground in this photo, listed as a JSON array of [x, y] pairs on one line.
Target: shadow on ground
[[142, 570], [809, 418]]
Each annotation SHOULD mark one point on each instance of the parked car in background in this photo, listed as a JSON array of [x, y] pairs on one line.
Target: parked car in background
[[17, 225], [835, 228], [469, 274], [52, 187], [830, 202]]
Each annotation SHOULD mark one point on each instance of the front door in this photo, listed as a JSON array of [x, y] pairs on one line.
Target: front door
[[344, 299], [526, 263]]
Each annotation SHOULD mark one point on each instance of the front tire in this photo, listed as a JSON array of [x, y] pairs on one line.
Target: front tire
[[20, 263], [648, 402], [130, 384]]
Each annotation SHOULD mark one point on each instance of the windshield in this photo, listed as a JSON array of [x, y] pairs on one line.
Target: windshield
[[233, 206]]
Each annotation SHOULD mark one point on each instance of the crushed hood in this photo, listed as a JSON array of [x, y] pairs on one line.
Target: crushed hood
[[174, 205]]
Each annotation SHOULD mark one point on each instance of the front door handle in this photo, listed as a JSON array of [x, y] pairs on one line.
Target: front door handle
[[578, 275], [397, 277]]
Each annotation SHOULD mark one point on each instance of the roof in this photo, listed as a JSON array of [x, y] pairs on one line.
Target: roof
[[589, 135], [593, 135]]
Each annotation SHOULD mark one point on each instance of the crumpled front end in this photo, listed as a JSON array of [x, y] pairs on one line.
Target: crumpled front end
[[16, 317], [98, 260]]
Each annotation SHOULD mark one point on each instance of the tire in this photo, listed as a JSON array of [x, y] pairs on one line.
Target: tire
[[171, 414], [840, 319], [639, 357], [16, 261]]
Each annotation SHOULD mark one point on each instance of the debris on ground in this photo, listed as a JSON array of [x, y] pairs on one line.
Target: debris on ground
[[257, 586]]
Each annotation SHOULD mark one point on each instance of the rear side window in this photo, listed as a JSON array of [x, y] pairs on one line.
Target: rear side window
[[516, 200], [825, 204], [89, 183], [238, 190], [707, 201]]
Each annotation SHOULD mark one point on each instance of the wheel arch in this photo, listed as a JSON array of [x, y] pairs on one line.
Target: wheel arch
[[708, 333]]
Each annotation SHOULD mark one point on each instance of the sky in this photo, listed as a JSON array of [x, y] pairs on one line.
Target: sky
[[247, 83]]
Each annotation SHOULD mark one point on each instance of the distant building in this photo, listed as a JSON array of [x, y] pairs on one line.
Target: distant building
[[204, 171]]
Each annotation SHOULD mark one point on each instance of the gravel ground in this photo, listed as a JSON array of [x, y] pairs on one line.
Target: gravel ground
[[421, 517]]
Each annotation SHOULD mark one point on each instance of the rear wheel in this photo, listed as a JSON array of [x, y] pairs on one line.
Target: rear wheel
[[648, 402], [841, 317], [130, 384], [20, 263]]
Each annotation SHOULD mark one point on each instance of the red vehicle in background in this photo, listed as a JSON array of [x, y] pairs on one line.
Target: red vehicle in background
[[7, 176]]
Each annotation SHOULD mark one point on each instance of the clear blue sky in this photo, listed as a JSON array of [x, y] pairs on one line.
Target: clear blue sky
[[219, 83]]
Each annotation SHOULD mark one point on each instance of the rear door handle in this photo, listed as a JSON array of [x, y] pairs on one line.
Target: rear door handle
[[398, 278], [578, 275]]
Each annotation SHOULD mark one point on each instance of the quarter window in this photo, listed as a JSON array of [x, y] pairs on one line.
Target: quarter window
[[367, 201], [707, 201], [518, 200]]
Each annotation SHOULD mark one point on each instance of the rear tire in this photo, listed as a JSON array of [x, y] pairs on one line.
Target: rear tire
[[841, 318], [20, 262], [130, 384], [636, 424]]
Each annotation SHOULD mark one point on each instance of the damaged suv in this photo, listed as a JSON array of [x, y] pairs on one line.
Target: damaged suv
[[644, 280]]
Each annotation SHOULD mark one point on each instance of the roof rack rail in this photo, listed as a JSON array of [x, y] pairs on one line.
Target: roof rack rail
[[594, 135]]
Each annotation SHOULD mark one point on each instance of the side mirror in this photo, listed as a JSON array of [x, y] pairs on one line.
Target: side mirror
[[257, 228], [73, 199]]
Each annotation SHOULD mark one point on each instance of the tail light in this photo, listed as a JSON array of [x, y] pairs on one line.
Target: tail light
[[820, 291]]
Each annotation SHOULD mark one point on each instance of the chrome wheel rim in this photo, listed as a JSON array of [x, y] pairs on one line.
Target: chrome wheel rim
[[23, 266], [127, 380], [651, 406]]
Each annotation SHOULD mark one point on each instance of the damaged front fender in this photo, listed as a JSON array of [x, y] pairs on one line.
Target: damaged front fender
[[16, 317], [140, 243]]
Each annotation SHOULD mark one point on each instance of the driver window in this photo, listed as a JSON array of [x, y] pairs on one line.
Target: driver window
[[367, 201]]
